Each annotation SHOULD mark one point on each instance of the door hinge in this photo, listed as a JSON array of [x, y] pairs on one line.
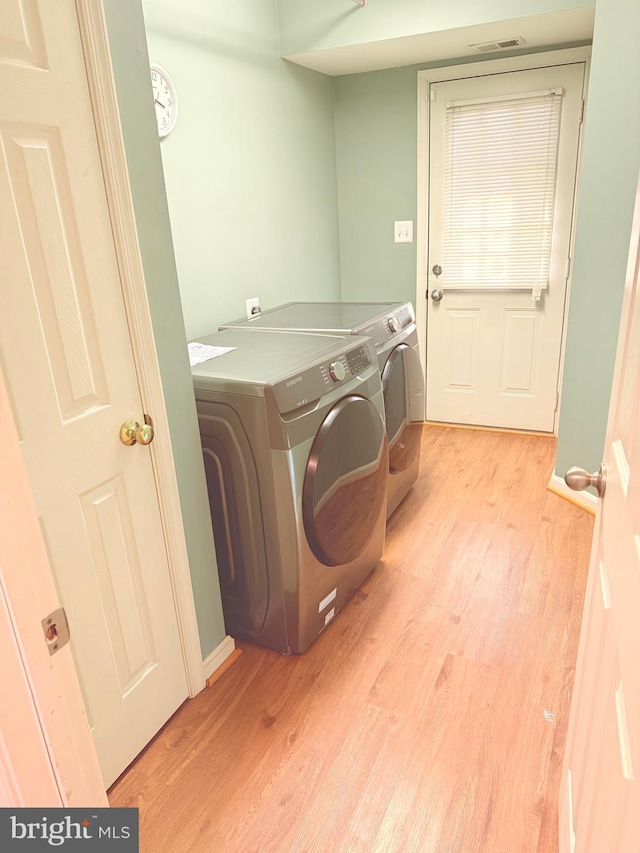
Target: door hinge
[[569, 259], [582, 111], [56, 630], [432, 93], [555, 408]]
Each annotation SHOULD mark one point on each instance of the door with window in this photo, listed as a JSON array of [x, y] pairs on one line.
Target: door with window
[[503, 156]]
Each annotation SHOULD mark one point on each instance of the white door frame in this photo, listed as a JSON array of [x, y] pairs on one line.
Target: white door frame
[[93, 33], [458, 72]]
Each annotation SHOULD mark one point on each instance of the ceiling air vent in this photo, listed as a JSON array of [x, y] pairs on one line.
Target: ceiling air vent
[[502, 44]]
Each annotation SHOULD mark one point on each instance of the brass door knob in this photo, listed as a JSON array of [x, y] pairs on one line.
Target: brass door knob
[[132, 433]]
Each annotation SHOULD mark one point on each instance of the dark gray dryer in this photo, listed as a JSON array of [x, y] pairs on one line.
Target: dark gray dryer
[[392, 327], [296, 458]]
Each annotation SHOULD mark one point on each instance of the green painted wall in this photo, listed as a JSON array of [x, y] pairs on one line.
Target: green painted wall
[[307, 25], [250, 167], [131, 69], [376, 167], [610, 165]]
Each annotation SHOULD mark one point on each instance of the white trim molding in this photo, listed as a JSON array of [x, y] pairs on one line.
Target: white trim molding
[[218, 656], [426, 78], [95, 42], [584, 499]]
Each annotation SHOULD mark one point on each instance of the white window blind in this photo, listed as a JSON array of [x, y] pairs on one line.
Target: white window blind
[[500, 180]]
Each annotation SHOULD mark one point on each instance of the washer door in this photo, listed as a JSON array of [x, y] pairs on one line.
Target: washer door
[[404, 436], [344, 492]]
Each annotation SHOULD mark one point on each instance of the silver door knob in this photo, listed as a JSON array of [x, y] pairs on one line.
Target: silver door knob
[[437, 295], [579, 479]]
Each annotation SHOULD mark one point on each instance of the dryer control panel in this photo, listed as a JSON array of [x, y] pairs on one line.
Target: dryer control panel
[[388, 325], [401, 319]]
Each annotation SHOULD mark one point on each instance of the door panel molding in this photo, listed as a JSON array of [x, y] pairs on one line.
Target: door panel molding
[[29, 590], [21, 37], [41, 188], [456, 72], [101, 81]]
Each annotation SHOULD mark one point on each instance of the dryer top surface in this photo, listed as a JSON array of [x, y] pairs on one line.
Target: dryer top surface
[[345, 318]]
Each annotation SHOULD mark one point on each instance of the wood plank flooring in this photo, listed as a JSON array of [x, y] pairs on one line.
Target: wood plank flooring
[[417, 721]]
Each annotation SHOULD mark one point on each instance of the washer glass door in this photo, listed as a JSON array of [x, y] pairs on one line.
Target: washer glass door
[[344, 492], [404, 436]]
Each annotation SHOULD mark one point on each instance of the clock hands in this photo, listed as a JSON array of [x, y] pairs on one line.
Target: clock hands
[[158, 103]]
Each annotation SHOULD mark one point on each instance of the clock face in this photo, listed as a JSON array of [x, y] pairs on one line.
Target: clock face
[[165, 100]]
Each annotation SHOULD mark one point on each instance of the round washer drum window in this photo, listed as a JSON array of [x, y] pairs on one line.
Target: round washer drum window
[[344, 490]]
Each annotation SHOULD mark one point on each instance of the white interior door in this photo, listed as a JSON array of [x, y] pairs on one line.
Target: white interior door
[[66, 355], [493, 352], [600, 797]]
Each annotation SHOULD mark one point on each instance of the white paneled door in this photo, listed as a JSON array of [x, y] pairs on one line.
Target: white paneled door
[[503, 156], [67, 359], [600, 796]]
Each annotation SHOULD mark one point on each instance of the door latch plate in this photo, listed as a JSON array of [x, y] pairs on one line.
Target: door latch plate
[[56, 630]]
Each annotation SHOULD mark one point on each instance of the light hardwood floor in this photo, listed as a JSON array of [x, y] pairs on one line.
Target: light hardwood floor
[[432, 713]]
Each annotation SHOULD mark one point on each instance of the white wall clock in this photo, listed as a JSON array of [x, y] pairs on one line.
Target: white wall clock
[[165, 99]]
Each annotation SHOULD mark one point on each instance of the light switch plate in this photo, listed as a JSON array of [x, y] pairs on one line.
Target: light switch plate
[[403, 231]]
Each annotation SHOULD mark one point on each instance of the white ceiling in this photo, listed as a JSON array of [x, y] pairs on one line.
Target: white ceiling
[[572, 25]]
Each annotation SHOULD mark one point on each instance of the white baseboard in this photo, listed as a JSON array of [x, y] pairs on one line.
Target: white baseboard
[[218, 656], [585, 500]]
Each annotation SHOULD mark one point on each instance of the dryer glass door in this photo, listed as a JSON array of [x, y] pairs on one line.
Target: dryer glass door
[[404, 436], [344, 493]]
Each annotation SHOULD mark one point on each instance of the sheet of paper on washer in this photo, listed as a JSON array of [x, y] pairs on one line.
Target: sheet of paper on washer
[[203, 352]]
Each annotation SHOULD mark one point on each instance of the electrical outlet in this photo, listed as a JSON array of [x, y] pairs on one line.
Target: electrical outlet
[[403, 231], [253, 306]]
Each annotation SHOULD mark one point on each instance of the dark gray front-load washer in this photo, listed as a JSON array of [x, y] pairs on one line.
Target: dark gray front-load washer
[[392, 327], [296, 458]]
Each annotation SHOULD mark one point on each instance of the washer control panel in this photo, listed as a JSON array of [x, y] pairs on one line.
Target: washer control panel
[[359, 359], [337, 371], [301, 389]]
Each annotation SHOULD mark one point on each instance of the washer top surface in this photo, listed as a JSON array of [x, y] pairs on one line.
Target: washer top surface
[[345, 318], [264, 359]]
